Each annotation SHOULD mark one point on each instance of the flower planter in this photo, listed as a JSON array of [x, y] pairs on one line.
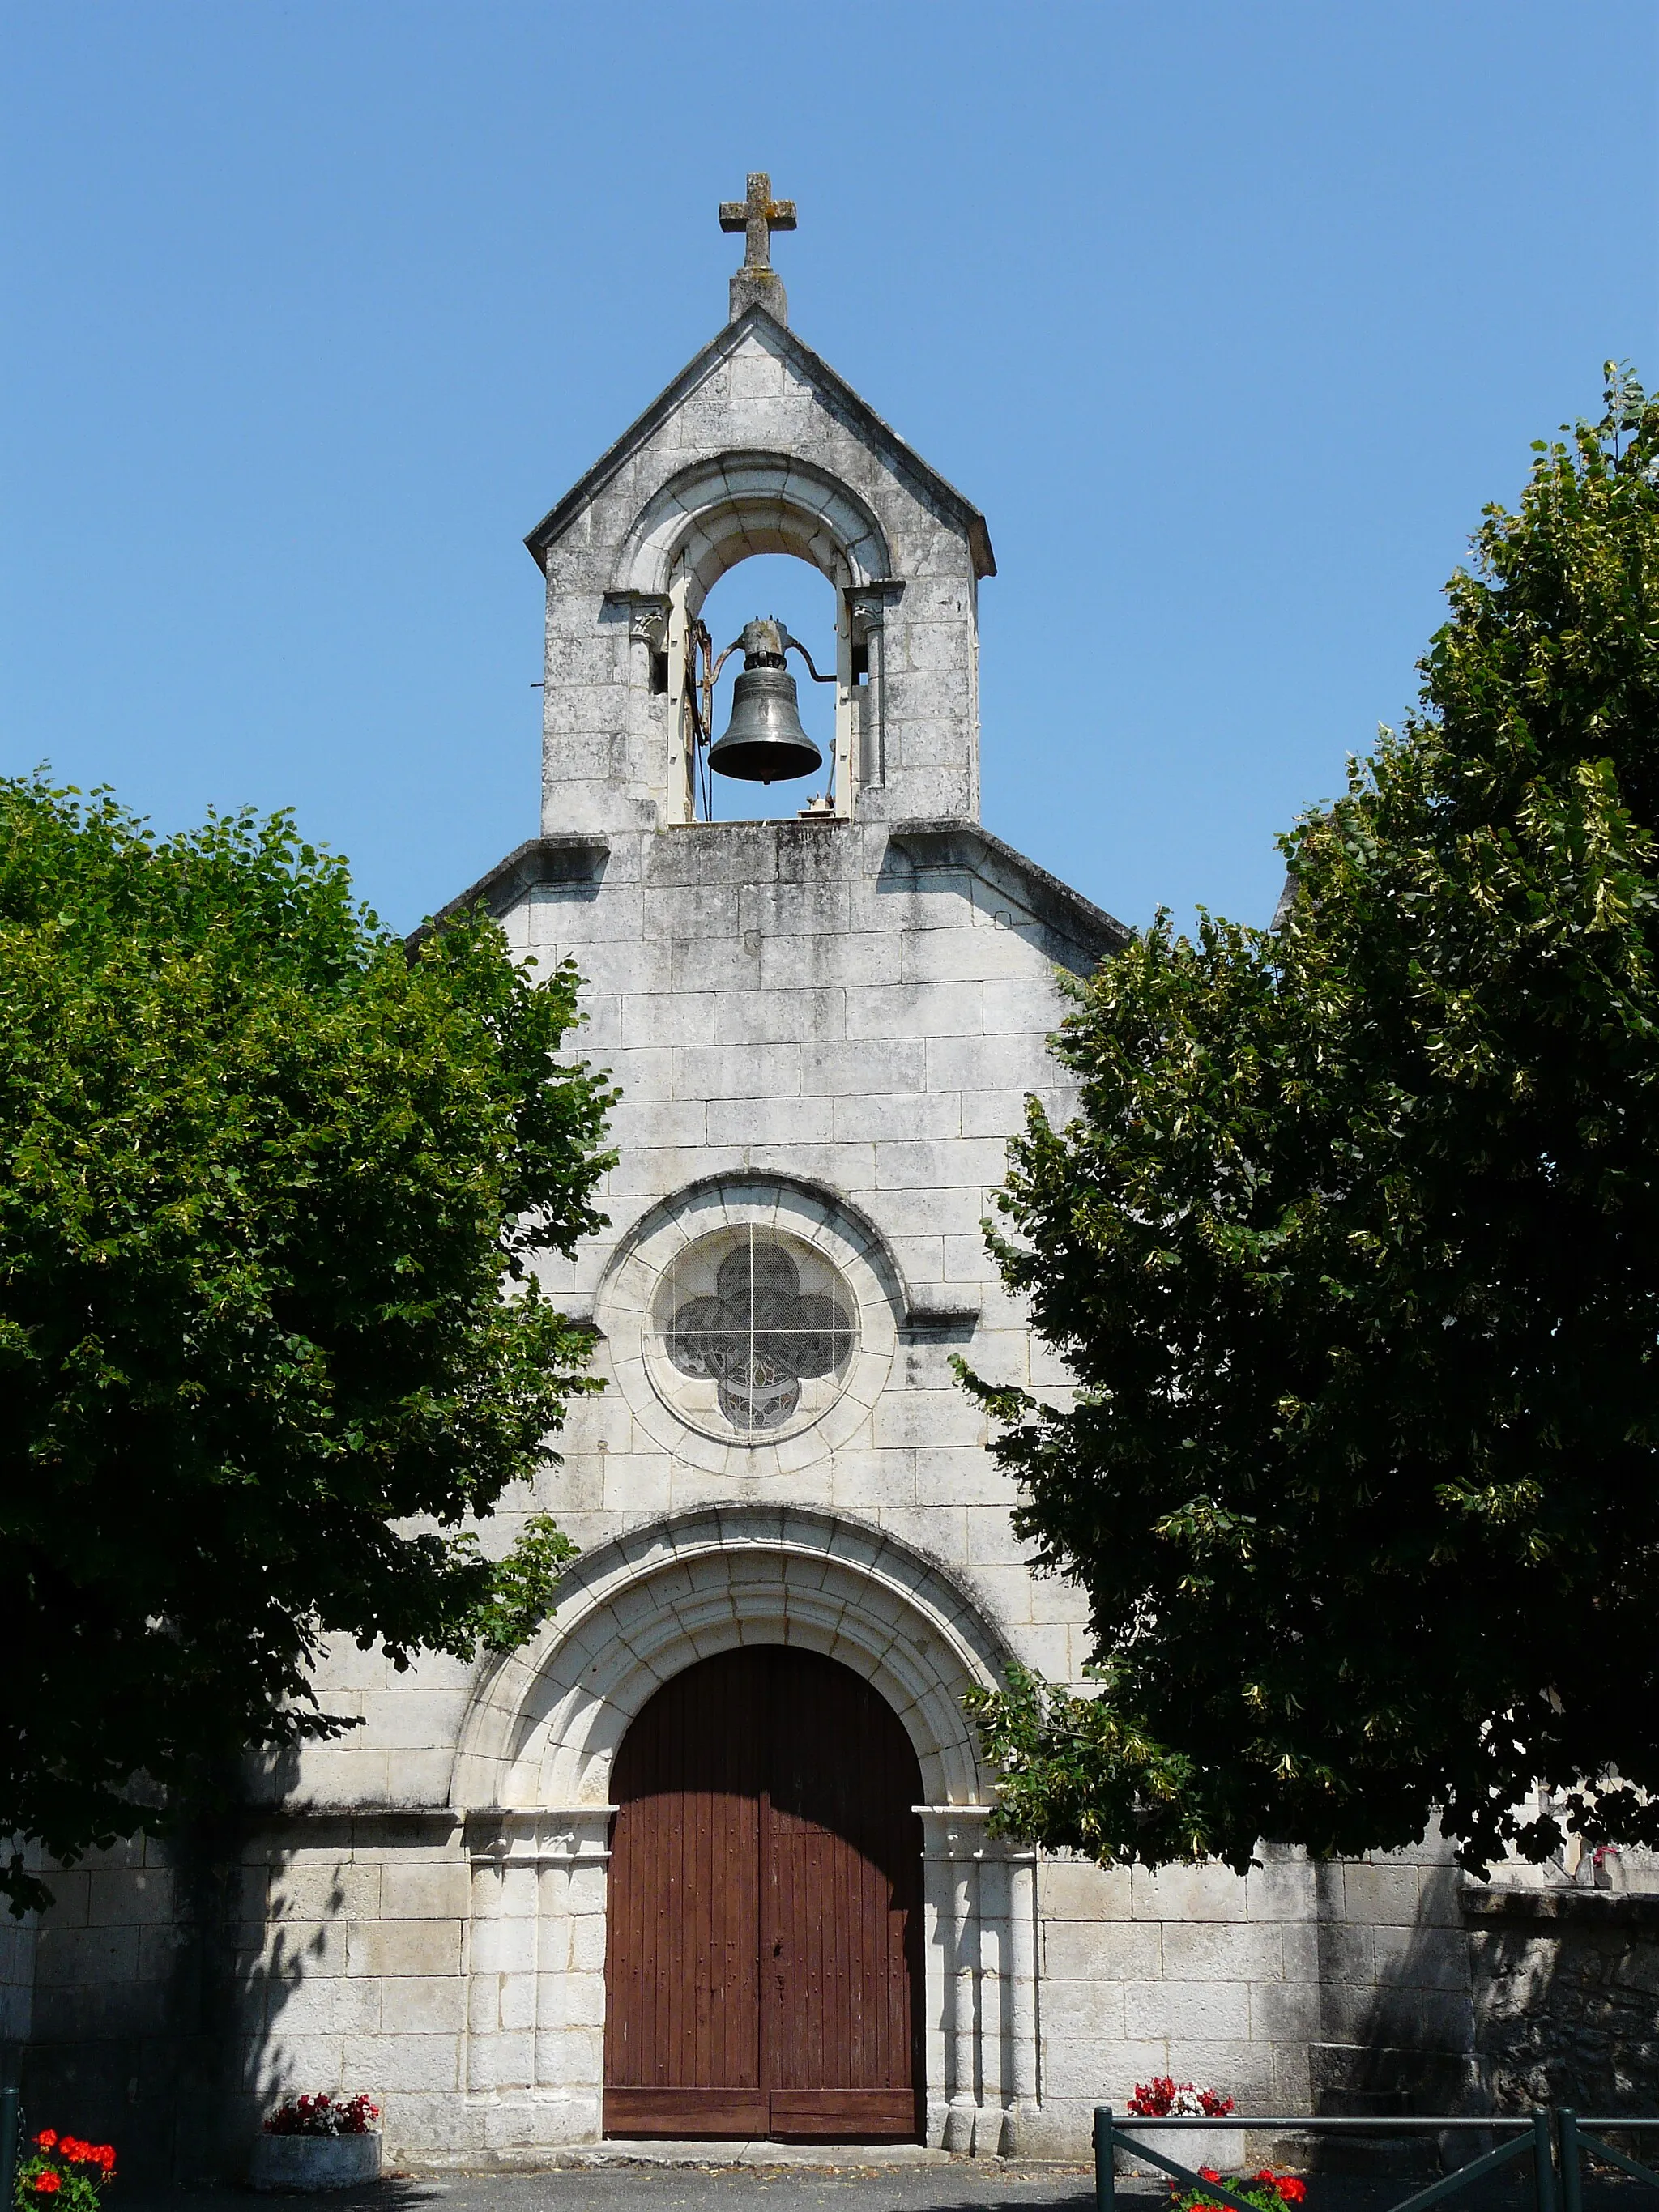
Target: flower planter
[[311, 2162], [1221, 2148]]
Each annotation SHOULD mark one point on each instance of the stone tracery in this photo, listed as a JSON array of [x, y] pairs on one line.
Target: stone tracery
[[760, 1336]]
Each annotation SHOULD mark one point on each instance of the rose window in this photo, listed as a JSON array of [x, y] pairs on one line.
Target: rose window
[[758, 1329]]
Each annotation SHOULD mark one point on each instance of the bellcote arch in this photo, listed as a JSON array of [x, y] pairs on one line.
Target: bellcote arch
[[703, 522], [800, 1217], [720, 511]]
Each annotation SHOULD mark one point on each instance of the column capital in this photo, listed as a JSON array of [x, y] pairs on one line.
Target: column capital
[[646, 614], [548, 1835], [954, 1831], [869, 602]]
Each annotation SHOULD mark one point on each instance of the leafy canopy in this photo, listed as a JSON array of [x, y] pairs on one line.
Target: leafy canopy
[[1353, 1248], [271, 1193]]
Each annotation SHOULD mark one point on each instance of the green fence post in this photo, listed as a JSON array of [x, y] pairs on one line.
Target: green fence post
[[1572, 2175], [1543, 2157], [9, 2118], [1105, 2179]]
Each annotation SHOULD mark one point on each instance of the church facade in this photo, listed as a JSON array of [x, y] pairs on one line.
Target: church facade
[[712, 1854]]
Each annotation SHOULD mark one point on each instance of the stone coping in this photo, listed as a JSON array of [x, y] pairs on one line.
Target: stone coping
[[1580, 1908]]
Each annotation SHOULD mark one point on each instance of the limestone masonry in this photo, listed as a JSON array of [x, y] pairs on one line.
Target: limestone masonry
[[823, 1031]]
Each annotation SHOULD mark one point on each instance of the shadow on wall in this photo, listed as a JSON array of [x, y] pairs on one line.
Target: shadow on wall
[[153, 1976], [1566, 1997], [1397, 2020], [134, 2037], [1443, 1995]]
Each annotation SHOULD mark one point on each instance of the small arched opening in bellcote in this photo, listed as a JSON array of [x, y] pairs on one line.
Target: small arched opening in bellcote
[[717, 516], [779, 587]]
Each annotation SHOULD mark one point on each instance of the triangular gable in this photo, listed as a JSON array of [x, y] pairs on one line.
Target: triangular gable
[[814, 370]]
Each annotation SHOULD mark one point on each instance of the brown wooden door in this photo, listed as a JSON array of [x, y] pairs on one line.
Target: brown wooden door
[[763, 1966]]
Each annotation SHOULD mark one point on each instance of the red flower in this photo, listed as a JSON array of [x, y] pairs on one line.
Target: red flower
[[48, 2182], [46, 2139], [1290, 2188], [1208, 2173]]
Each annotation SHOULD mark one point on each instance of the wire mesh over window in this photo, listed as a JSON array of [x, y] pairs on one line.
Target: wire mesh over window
[[762, 1323]]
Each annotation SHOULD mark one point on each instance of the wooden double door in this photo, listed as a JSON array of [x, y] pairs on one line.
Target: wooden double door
[[764, 1968]]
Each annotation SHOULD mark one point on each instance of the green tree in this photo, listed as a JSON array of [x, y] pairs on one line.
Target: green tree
[[1354, 1249], [270, 1338]]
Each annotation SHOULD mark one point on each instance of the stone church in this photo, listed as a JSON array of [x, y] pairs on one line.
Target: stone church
[[711, 1856]]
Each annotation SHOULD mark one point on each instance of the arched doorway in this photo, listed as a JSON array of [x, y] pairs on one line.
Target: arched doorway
[[764, 1968]]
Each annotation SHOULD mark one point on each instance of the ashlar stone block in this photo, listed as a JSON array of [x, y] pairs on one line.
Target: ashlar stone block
[[1210, 1950], [1189, 1893], [402, 2062], [1083, 2011], [1206, 2012], [426, 1892], [1088, 1950], [1077, 1889], [1383, 1894], [423, 1947]]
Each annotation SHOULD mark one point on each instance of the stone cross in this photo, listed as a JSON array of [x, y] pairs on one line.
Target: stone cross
[[757, 283], [758, 217]]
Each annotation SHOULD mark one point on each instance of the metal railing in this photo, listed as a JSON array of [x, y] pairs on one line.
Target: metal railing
[[1577, 2141], [1533, 2139]]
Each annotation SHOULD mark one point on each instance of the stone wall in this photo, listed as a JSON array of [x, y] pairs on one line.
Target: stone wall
[[17, 1939], [132, 2036], [1343, 1987], [1566, 1986], [1395, 2023], [177, 1996], [1194, 1971], [351, 1969]]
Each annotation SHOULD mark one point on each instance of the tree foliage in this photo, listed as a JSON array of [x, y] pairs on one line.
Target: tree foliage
[[1354, 1249], [270, 1336]]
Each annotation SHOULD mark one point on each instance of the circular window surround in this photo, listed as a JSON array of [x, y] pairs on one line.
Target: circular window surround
[[627, 1309]]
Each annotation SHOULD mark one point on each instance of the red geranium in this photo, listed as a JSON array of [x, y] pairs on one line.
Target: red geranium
[[1266, 2191], [68, 2169]]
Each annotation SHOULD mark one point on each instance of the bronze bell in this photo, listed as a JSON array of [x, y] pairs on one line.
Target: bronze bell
[[764, 742]]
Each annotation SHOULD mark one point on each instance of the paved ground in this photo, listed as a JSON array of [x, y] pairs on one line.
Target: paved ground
[[963, 2185], [960, 2185]]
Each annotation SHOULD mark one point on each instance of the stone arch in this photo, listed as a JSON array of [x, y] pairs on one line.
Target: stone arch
[[739, 1184], [545, 1724], [720, 511]]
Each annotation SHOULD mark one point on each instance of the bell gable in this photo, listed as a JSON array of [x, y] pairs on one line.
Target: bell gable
[[758, 447]]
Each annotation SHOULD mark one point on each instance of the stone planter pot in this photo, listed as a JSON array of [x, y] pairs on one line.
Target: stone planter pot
[[309, 2162], [1221, 2148]]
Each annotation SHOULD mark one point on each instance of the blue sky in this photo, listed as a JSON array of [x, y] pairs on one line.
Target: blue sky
[[1229, 317]]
